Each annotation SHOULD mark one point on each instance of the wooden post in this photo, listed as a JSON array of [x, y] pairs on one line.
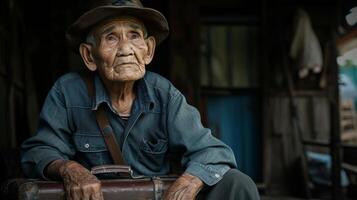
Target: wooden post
[[335, 138]]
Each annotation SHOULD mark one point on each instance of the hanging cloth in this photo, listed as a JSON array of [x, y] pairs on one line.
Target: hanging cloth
[[351, 18], [305, 49]]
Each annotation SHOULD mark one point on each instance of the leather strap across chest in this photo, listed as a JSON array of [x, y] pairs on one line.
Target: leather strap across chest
[[103, 122]]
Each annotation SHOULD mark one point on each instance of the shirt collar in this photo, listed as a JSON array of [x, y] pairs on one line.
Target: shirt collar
[[101, 95], [143, 93]]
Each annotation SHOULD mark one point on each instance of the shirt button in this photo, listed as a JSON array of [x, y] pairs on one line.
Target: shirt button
[[217, 175], [86, 146]]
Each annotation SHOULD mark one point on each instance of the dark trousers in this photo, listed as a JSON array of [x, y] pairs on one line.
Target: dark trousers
[[234, 185]]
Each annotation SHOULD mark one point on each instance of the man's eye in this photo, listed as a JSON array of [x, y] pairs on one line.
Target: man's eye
[[134, 35], [111, 38]]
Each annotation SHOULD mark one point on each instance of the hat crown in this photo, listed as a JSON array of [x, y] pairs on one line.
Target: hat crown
[[97, 3], [127, 3]]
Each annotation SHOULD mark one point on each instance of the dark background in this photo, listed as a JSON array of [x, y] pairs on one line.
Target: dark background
[[34, 53]]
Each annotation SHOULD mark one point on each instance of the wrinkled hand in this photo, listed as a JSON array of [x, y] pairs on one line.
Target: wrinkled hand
[[79, 183], [186, 187]]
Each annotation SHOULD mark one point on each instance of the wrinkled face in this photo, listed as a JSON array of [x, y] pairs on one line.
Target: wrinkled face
[[121, 50]]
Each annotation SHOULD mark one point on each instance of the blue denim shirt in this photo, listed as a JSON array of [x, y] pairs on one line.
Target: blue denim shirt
[[161, 123]]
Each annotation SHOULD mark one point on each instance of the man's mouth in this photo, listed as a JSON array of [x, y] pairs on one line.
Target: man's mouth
[[125, 63]]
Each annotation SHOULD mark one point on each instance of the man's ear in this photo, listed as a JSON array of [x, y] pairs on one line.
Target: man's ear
[[151, 43], [87, 56]]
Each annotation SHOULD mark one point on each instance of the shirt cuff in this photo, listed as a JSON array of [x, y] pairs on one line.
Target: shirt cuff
[[209, 174], [41, 166]]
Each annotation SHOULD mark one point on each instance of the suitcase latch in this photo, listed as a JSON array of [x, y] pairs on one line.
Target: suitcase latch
[[122, 170]]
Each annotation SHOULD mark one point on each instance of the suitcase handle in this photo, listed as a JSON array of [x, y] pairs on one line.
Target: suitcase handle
[[122, 170]]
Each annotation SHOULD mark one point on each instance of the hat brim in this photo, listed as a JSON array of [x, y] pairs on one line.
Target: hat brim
[[155, 23]]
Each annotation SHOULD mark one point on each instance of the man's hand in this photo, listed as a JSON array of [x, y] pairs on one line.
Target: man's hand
[[186, 187], [79, 183]]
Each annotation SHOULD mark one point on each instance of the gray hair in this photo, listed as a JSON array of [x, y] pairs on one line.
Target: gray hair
[[90, 39]]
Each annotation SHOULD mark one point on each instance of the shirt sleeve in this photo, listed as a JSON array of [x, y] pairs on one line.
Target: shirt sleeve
[[52, 140], [204, 155]]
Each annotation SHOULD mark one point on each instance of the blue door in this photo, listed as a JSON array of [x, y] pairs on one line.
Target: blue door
[[236, 121]]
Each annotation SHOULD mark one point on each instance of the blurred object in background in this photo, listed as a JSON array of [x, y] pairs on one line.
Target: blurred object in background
[[351, 18], [305, 49], [320, 169], [348, 90]]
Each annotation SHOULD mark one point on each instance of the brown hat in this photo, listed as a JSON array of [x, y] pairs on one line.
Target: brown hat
[[99, 10]]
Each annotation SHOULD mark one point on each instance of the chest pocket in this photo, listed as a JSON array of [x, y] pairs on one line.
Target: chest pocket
[[153, 153], [92, 149]]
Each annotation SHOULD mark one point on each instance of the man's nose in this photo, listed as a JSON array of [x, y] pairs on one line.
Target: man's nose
[[124, 48]]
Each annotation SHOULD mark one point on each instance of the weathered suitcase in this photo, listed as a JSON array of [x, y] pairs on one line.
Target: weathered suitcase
[[129, 189]]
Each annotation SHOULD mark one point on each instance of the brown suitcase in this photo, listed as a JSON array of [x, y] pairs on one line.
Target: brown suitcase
[[144, 188], [128, 189]]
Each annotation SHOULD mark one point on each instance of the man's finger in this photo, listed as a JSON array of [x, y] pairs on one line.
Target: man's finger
[[74, 193], [178, 194], [97, 196], [169, 195], [183, 195], [86, 192], [101, 197], [68, 194], [96, 192]]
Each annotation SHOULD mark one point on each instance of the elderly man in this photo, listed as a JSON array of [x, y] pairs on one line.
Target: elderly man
[[149, 116]]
